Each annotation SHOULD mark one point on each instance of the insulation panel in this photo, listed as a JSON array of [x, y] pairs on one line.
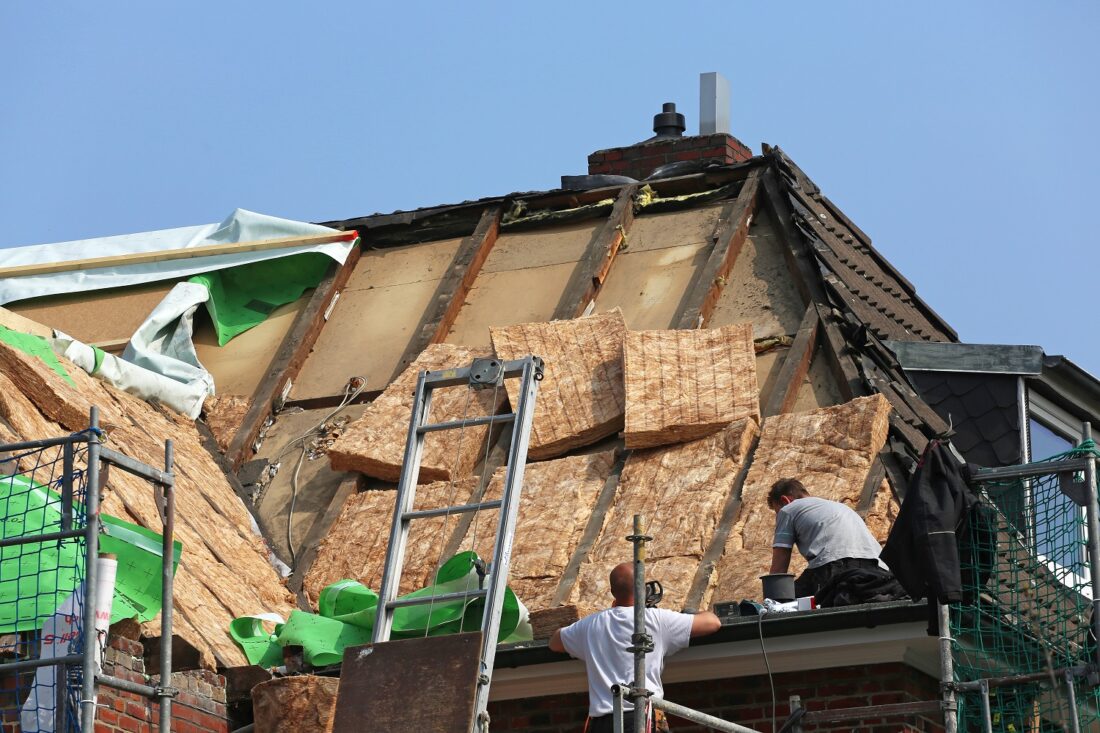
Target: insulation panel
[[375, 443], [830, 450], [580, 400], [683, 385], [681, 490]]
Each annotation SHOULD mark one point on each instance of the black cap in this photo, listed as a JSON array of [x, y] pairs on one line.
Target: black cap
[[669, 123]]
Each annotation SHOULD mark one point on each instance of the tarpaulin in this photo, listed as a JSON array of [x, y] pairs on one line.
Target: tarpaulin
[[346, 614]]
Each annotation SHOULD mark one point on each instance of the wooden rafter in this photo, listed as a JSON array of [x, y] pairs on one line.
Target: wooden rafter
[[451, 292], [840, 359], [795, 366], [288, 360], [591, 271], [729, 238]]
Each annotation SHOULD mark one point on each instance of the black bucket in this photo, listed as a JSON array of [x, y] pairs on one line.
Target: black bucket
[[778, 586]]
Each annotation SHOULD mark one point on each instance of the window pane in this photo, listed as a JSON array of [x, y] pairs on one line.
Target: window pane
[[1059, 523]]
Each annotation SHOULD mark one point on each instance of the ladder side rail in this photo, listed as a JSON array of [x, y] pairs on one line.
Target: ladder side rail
[[509, 511], [406, 494]]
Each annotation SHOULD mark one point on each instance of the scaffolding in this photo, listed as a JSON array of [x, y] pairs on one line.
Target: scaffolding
[[1023, 641], [48, 565]]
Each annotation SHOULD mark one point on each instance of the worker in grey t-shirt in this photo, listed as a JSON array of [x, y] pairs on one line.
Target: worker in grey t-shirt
[[830, 535]]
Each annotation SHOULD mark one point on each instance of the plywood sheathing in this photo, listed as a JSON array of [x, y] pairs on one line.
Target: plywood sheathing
[[580, 400], [375, 443], [522, 280], [223, 572], [681, 490], [686, 384], [377, 314], [555, 507], [355, 546], [653, 270], [829, 450], [224, 414]]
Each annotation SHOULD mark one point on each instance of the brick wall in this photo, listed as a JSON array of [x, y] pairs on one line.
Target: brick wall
[[199, 707], [638, 161], [747, 701]]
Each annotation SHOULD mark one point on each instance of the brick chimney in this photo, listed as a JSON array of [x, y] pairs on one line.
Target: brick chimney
[[668, 146]]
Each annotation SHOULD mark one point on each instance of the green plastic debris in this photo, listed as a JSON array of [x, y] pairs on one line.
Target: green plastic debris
[[346, 613], [243, 297], [35, 346], [36, 578]]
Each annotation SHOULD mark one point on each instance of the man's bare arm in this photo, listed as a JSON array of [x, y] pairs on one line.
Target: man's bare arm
[[704, 623], [781, 559], [555, 641]]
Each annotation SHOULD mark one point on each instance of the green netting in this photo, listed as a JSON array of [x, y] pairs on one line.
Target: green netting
[[1027, 606]]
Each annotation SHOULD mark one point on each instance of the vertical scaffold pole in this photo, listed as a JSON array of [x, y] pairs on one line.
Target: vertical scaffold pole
[[641, 640], [166, 588], [1093, 520], [91, 543], [947, 672]]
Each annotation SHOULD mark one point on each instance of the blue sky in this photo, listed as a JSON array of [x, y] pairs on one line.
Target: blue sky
[[961, 137]]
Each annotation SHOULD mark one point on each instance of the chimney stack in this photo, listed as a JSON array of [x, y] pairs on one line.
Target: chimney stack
[[714, 144]]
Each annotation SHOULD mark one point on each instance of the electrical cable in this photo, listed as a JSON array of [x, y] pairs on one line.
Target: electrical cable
[[771, 681], [349, 395]]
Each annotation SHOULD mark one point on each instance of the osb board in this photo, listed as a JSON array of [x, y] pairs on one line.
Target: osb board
[[240, 366], [302, 704], [830, 450], [223, 572], [377, 314], [224, 414], [317, 482], [686, 384], [760, 289], [652, 273], [521, 281], [681, 490], [355, 546], [81, 315], [375, 443], [580, 400], [555, 506]]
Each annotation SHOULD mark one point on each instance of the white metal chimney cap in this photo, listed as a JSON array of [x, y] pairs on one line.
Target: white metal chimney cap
[[714, 103]]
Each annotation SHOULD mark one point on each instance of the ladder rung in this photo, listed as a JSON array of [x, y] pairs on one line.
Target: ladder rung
[[421, 513], [469, 422], [441, 598]]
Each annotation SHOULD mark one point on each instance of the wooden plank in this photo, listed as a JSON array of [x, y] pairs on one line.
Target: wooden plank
[[685, 384], [451, 292], [591, 270], [166, 255], [800, 260], [427, 685], [795, 366], [730, 237], [289, 358], [844, 368]]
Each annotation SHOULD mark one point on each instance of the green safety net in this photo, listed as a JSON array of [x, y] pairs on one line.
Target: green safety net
[[37, 577], [243, 297], [35, 346], [1027, 606], [346, 613]]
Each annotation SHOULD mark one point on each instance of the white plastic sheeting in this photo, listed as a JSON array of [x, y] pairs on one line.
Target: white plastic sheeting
[[241, 226]]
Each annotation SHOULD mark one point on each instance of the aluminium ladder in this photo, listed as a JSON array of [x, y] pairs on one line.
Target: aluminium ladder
[[481, 374]]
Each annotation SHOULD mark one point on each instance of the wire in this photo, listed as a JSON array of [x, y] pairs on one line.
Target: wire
[[767, 664]]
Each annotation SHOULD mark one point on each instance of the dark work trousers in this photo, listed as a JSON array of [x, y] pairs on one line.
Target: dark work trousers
[[814, 579]]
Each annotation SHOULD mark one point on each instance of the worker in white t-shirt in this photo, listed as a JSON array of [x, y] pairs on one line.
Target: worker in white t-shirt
[[602, 639]]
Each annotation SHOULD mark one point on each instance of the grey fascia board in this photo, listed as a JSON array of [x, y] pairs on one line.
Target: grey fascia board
[[924, 356]]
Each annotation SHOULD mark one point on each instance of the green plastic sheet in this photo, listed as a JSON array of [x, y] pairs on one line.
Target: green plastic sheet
[[346, 613], [243, 297], [35, 346], [36, 578]]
